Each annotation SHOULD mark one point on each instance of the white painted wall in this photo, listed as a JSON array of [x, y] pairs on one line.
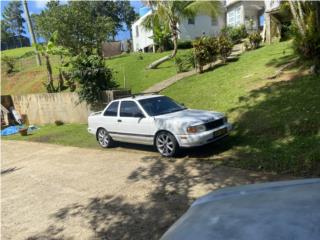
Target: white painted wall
[[248, 10], [140, 35], [202, 24]]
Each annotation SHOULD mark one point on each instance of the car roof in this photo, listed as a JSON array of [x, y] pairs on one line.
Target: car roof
[[139, 97]]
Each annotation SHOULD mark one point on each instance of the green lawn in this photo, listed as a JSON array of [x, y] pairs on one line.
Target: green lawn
[[276, 121], [67, 134], [132, 70]]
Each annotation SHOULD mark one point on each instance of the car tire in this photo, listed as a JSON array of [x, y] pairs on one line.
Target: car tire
[[104, 138], [166, 144]]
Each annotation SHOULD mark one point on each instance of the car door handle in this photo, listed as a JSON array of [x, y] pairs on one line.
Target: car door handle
[[119, 120]]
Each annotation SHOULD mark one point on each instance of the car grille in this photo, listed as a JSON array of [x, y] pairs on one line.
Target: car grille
[[214, 124]]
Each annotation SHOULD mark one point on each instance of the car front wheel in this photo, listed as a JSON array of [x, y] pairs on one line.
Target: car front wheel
[[166, 144], [104, 138]]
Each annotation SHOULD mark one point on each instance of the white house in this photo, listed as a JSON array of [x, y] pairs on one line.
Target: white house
[[251, 14], [190, 28]]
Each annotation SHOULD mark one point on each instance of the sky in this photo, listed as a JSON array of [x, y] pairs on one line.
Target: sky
[[36, 6]]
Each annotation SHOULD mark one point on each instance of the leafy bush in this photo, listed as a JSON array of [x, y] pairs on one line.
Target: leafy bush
[[308, 46], [9, 63], [58, 122], [224, 47], [255, 40], [185, 62], [93, 76], [213, 48], [202, 56], [235, 33], [184, 44]]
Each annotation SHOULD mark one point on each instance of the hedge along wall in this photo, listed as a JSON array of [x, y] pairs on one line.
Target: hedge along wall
[[46, 108]]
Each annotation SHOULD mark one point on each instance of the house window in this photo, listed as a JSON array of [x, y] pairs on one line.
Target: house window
[[137, 31], [234, 17], [237, 16], [190, 21], [214, 21]]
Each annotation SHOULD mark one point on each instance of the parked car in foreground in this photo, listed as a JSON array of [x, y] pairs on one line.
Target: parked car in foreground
[[278, 210], [156, 120]]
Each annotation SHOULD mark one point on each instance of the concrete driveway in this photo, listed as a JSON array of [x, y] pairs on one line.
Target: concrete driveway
[[57, 192]]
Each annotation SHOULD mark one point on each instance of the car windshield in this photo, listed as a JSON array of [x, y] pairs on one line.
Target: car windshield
[[160, 105]]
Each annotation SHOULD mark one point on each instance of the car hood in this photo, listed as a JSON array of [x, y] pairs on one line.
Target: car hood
[[278, 210], [191, 116]]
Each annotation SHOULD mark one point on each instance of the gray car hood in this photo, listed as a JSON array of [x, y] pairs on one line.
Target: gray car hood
[[278, 210]]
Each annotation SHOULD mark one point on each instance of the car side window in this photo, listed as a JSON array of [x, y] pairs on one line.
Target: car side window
[[112, 110], [130, 109]]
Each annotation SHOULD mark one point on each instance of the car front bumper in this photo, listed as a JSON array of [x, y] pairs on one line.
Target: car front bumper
[[202, 138]]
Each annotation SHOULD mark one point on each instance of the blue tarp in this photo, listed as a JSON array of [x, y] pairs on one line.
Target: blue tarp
[[10, 130], [15, 129]]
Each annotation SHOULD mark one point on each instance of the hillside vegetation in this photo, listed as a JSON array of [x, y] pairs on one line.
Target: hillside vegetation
[[129, 68], [276, 121]]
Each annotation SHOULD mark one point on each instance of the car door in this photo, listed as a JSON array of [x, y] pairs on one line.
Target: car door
[[110, 118], [134, 126]]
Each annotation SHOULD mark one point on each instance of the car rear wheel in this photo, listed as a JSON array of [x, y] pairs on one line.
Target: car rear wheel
[[104, 138], [166, 144]]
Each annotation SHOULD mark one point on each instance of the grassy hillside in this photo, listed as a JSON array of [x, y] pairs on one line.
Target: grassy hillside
[[17, 52], [276, 122], [133, 68], [29, 77]]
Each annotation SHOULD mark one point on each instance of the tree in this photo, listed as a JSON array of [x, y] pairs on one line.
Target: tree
[[93, 76], [305, 30], [5, 32], [33, 38], [52, 48], [12, 16], [83, 24], [171, 13]]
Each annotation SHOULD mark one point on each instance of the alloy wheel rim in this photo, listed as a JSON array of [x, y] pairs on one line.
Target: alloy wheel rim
[[165, 144], [103, 138]]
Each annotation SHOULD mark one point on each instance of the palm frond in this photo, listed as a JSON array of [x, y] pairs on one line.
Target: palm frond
[[209, 8]]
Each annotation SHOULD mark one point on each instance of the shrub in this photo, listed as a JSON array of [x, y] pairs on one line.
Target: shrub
[[235, 33], [58, 122], [224, 47], [9, 63], [185, 62], [202, 56], [213, 48], [308, 46], [255, 40], [93, 76], [184, 44]]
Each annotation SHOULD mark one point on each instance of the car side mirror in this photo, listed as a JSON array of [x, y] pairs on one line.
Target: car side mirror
[[182, 104]]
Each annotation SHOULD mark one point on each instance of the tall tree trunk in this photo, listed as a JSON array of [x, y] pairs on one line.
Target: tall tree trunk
[[296, 17], [49, 85], [30, 27], [156, 63]]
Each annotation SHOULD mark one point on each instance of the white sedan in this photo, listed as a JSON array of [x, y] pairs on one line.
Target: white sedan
[[156, 120]]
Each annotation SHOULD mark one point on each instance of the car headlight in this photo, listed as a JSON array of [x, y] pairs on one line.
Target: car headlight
[[196, 129]]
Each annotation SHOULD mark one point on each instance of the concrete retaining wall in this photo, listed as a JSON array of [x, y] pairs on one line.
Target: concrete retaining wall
[[46, 108]]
